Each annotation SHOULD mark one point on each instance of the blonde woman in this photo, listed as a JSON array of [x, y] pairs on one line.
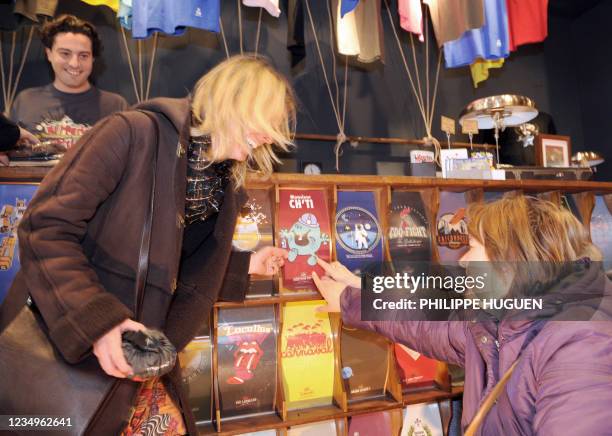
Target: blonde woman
[[562, 380], [81, 235]]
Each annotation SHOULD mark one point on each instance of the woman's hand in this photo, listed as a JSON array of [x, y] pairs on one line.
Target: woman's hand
[[109, 352], [267, 261], [340, 273], [330, 290]]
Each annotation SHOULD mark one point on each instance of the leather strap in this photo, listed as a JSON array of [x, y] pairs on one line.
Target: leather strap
[[489, 402], [145, 241]]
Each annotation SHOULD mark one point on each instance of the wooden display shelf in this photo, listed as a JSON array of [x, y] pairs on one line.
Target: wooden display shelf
[[459, 185], [23, 174], [372, 406], [326, 413], [207, 428], [383, 186], [316, 414], [35, 174], [246, 425], [275, 299], [430, 395]]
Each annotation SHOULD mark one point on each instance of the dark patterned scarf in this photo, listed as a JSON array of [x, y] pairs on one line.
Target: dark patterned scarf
[[206, 182]]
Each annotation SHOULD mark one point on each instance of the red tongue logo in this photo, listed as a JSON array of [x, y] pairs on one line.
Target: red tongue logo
[[246, 359]]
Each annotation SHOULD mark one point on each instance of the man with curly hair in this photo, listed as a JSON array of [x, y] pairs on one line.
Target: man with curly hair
[[63, 110]]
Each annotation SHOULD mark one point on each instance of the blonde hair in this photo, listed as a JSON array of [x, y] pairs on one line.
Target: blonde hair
[[527, 231], [241, 95]]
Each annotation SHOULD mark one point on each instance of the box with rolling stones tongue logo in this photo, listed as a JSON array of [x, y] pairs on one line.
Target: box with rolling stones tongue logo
[[246, 359]]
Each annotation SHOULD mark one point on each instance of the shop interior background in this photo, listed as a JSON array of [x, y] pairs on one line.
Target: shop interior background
[[567, 75]]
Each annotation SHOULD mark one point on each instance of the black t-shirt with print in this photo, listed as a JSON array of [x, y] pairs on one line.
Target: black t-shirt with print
[[61, 117]]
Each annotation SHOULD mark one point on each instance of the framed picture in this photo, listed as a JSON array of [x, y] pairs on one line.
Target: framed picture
[[553, 151], [14, 199]]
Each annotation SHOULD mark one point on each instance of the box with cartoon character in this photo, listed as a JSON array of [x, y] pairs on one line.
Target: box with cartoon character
[[14, 199], [359, 235], [305, 231]]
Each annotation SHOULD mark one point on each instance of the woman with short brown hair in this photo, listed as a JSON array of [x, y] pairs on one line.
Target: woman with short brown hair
[[559, 361]]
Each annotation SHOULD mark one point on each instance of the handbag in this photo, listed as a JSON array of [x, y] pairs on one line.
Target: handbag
[[74, 393]]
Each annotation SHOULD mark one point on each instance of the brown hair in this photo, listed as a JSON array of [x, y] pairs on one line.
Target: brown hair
[[71, 24], [535, 238]]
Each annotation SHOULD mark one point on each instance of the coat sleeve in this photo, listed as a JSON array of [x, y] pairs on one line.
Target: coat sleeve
[[9, 133], [75, 306], [441, 340], [236, 281], [211, 271], [574, 387]]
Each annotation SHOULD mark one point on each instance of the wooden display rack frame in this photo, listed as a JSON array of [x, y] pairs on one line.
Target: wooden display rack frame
[[340, 411]]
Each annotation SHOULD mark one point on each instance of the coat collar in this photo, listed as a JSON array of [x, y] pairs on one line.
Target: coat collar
[[175, 110]]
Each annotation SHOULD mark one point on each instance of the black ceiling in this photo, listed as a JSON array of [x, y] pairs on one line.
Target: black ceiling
[[570, 8]]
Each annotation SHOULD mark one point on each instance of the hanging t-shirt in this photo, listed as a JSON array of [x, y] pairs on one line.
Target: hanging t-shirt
[[411, 16], [359, 33], [61, 117], [31, 9], [528, 21], [14, 14], [271, 6], [489, 42], [124, 14], [172, 17], [295, 31], [347, 6], [8, 20], [480, 69], [451, 18], [113, 4]]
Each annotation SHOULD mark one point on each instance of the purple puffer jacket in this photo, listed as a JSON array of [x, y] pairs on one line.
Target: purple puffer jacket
[[562, 384]]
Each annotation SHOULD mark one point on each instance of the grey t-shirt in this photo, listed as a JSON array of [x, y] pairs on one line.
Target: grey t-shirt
[[61, 117]]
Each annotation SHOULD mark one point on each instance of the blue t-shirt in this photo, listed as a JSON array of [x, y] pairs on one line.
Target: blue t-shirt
[[491, 41], [172, 17], [347, 6]]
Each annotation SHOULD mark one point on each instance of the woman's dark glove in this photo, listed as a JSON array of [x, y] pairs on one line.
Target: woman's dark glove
[[148, 352]]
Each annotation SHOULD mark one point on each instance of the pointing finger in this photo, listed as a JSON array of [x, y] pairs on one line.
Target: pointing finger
[[326, 266]]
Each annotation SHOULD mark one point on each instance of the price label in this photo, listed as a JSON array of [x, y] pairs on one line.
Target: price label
[[448, 125], [469, 126]]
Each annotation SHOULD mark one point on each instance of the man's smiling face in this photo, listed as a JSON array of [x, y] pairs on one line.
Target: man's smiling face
[[72, 60]]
